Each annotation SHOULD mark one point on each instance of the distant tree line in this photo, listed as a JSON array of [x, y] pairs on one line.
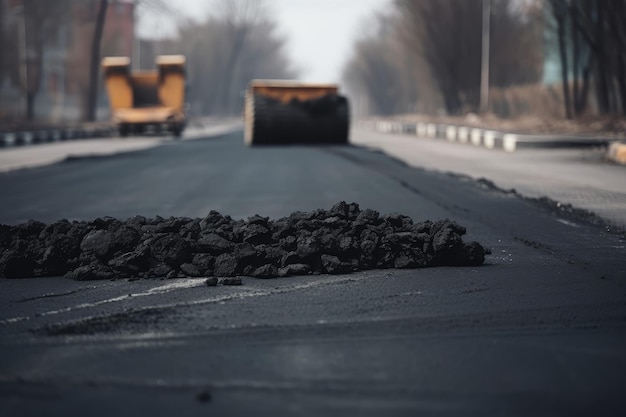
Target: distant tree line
[[238, 41], [426, 51], [23, 48], [235, 44], [231, 47], [592, 47], [426, 54]]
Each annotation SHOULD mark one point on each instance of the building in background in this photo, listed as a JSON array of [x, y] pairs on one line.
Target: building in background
[[48, 48]]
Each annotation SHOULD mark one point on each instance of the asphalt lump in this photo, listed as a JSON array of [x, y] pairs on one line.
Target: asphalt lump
[[340, 240]]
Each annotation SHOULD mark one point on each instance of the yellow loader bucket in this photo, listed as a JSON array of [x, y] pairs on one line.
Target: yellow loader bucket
[[139, 99]]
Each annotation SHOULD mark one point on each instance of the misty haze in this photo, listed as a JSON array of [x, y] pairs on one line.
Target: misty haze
[[312, 207]]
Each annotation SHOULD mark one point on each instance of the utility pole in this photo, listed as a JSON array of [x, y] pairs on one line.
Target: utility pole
[[484, 72]]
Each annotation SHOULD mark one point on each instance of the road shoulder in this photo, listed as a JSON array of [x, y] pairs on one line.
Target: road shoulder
[[17, 158]]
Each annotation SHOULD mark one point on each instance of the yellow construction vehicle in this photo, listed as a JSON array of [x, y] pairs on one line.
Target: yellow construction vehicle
[[142, 99], [288, 112]]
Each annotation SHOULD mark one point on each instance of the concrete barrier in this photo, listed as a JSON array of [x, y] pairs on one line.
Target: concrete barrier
[[463, 134], [509, 142], [421, 130], [476, 137], [9, 139], [490, 139], [431, 130], [451, 133], [55, 134]]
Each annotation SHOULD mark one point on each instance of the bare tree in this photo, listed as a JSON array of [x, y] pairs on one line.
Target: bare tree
[[40, 23], [381, 70], [516, 44], [597, 39], [617, 13], [8, 43], [422, 43], [262, 56], [237, 43], [560, 11], [445, 34], [2, 39], [94, 64], [239, 17]]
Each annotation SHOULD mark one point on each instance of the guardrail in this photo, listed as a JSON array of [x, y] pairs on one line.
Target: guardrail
[[36, 136], [491, 139]]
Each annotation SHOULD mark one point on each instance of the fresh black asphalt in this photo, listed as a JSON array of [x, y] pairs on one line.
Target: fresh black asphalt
[[538, 330]]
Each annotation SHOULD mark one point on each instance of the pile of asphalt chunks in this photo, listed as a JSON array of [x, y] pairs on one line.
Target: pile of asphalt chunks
[[340, 240]]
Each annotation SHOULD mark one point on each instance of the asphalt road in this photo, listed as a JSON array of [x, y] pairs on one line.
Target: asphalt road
[[582, 177], [538, 330]]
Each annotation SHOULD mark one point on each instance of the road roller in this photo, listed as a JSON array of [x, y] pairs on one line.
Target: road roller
[[282, 112], [143, 99]]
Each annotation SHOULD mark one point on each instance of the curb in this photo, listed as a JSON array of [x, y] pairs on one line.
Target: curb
[[97, 130], [24, 157], [490, 139], [35, 137]]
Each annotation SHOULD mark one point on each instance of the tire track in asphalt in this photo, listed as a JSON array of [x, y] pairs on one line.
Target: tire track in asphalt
[[241, 293]]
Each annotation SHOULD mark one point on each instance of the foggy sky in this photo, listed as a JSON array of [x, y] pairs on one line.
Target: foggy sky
[[319, 33]]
